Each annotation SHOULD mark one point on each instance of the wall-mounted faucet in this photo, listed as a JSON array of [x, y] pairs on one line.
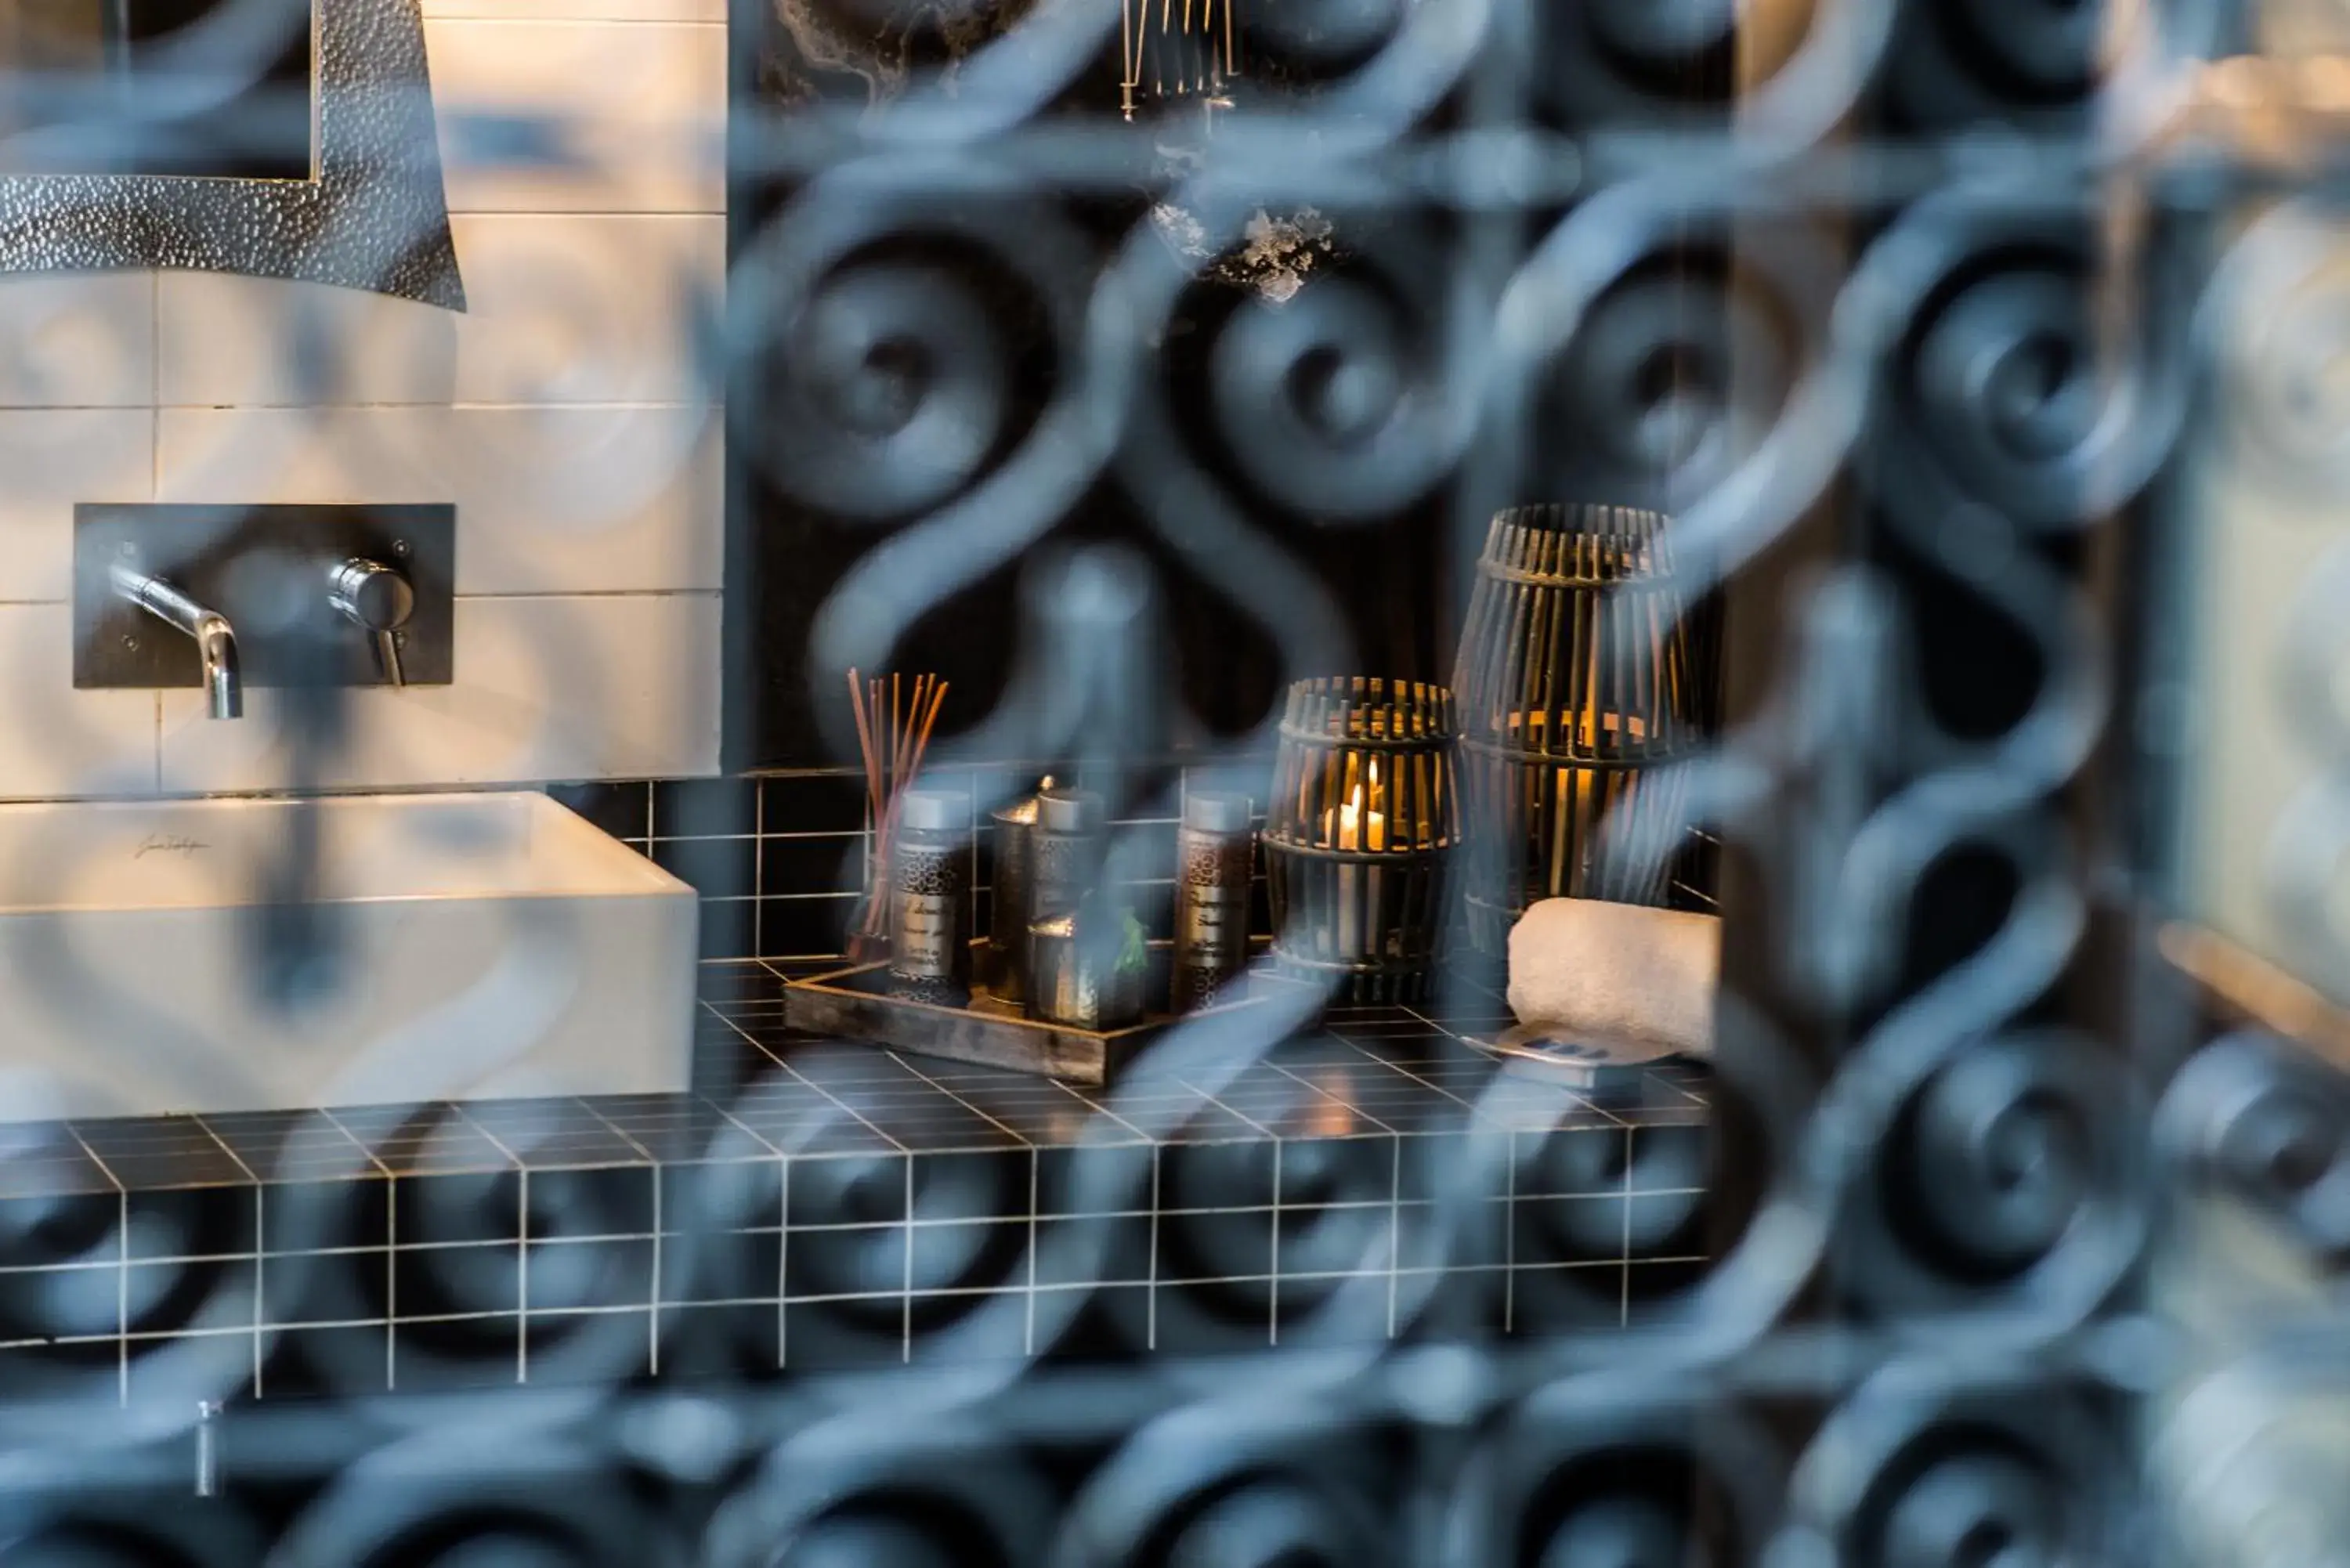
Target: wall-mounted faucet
[[377, 599], [322, 597], [215, 638]]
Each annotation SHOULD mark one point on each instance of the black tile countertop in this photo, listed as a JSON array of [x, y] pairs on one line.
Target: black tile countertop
[[820, 1205]]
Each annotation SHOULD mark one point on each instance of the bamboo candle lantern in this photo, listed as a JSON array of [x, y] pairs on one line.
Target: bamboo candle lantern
[[1359, 835], [1582, 674]]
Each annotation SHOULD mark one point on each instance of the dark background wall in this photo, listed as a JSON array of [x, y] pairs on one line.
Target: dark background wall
[[1389, 574]]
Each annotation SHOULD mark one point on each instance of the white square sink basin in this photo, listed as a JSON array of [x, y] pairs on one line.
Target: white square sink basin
[[172, 956]]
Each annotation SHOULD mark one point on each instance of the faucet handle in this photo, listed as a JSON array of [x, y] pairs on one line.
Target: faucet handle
[[377, 599]]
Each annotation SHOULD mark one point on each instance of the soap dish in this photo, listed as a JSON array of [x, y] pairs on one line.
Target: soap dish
[[1607, 1070]]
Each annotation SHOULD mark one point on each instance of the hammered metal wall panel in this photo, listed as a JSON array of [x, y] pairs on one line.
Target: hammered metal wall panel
[[372, 216]]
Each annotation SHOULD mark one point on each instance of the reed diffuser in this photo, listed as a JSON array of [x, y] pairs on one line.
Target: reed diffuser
[[892, 733]]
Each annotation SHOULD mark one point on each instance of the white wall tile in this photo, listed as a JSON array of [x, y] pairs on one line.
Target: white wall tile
[[580, 500], [618, 686], [56, 741], [50, 460], [644, 108], [78, 340], [563, 307]]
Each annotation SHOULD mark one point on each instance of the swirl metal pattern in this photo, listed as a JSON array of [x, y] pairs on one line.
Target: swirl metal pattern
[[1977, 348]]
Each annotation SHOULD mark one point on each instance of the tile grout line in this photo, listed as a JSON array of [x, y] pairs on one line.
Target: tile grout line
[[783, 1254], [522, 1241], [872, 1127], [1001, 1126], [1510, 1231], [1347, 1106], [260, 1254], [1028, 1332], [121, 1269], [1151, 1313], [1395, 1225], [652, 1329], [906, 1281], [1623, 1307], [1273, 1290]]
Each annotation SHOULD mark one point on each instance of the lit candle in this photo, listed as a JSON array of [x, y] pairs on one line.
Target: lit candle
[[1350, 826]]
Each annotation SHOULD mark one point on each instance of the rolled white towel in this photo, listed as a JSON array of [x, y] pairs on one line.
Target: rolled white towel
[[1617, 971]]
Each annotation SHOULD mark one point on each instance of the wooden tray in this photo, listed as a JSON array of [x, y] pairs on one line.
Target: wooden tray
[[856, 1005]]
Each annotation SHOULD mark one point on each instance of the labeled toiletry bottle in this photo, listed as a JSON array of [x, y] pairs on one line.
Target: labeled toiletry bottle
[[1211, 891], [1007, 935], [930, 897], [1065, 850]]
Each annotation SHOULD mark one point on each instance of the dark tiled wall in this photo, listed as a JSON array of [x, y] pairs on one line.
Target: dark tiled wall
[[780, 859]]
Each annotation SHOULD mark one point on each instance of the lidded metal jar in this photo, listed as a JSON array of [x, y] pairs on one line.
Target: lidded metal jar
[[1085, 976], [1065, 849], [929, 896], [1211, 892], [1007, 929]]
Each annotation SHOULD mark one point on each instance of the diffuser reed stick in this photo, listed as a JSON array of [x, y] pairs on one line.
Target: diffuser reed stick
[[893, 734]]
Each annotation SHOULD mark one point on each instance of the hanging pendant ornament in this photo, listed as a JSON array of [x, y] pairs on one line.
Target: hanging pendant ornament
[[1178, 48]]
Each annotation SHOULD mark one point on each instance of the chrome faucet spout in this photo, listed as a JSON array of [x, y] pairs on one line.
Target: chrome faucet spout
[[215, 638]]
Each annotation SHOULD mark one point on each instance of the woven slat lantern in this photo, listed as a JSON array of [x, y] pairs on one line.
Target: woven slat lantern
[[1359, 835], [1581, 675]]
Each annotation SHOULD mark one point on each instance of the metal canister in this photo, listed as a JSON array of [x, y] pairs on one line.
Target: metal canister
[[1211, 892], [929, 896], [1080, 978], [1064, 852], [1007, 931]]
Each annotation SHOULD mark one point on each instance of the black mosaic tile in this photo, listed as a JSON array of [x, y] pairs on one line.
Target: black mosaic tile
[[587, 1348], [1548, 1231], [313, 1362], [812, 802], [703, 808], [976, 1184], [580, 1202], [1101, 1178], [728, 1266], [190, 1222], [974, 1327], [191, 1294], [149, 1152], [806, 925], [48, 1229], [1106, 1249], [407, 1140], [325, 1287], [289, 1146], [857, 1189], [1288, 1192], [726, 930], [459, 1353], [553, 1134], [171, 1373], [340, 1211], [716, 868], [844, 1335], [797, 863], [455, 1282], [579, 1275]]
